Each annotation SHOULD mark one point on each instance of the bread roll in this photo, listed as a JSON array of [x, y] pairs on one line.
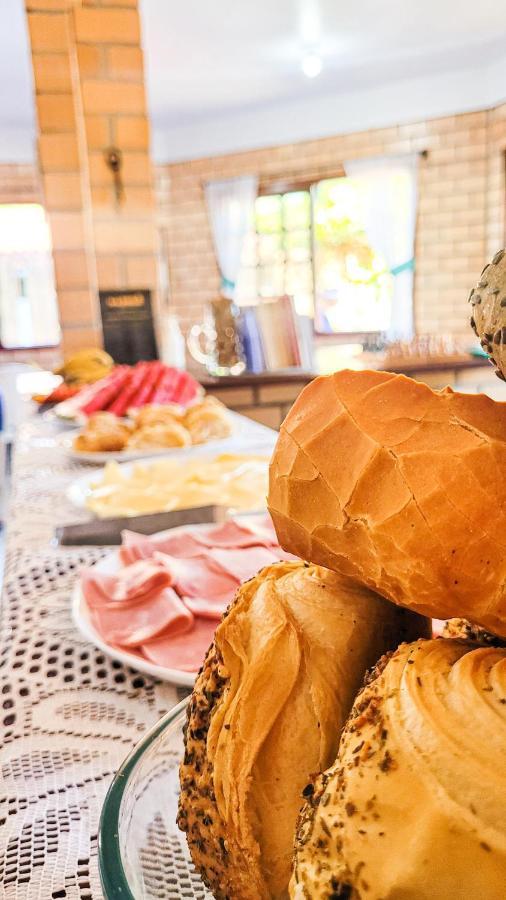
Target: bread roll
[[415, 805], [399, 487], [267, 711], [488, 319]]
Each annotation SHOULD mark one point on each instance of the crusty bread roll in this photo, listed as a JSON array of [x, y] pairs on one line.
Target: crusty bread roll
[[266, 713], [402, 488], [415, 805]]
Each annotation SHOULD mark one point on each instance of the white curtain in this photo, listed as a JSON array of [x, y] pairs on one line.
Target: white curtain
[[230, 205], [387, 189]]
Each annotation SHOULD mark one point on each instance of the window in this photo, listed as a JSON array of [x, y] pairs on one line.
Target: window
[[313, 245], [353, 284], [28, 308], [277, 257]]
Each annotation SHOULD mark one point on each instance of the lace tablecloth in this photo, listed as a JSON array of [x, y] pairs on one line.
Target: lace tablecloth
[[69, 715]]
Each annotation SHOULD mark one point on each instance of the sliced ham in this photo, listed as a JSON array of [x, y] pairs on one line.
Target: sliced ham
[[233, 535], [262, 527], [244, 563], [208, 607], [138, 546], [199, 577], [129, 625], [184, 651], [173, 588], [129, 585]]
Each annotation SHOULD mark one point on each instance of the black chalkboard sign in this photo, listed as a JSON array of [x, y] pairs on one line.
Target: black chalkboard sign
[[127, 324]]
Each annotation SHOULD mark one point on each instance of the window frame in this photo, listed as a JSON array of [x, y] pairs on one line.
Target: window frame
[[279, 185], [24, 349]]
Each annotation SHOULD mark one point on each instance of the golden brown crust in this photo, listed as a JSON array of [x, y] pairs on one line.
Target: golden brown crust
[[169, 433], [197, 815], [208, 421], [399, 487], [403, 811], [266, 713], [103, 432]]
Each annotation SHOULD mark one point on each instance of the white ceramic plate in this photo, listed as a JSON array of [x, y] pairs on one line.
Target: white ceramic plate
[[245, 433]]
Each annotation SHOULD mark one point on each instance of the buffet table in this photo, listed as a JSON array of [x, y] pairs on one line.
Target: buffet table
[[69, 714]]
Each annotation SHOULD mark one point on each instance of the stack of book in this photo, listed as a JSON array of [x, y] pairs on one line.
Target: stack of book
[[275, 337]]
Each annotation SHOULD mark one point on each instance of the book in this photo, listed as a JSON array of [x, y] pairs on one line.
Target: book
[[251, 340], [275, 337]]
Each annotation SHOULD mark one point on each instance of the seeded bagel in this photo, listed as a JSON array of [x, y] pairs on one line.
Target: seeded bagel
[[488, 319]]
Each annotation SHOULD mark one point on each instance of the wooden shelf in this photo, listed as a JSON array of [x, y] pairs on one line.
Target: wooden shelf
[[250, 379]]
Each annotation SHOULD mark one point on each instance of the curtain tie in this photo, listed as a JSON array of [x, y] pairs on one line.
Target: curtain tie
[[227, 284], [407, 266]]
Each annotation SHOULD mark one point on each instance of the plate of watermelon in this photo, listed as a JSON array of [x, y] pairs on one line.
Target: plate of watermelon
[[131, 387]]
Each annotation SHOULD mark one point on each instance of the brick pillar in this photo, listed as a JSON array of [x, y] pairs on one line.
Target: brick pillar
[[89, 83]]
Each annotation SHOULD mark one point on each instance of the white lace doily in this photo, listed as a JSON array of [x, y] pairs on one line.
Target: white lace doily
[[68, 714]]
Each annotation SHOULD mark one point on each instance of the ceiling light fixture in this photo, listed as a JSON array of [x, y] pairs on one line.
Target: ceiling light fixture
[[311, 65]]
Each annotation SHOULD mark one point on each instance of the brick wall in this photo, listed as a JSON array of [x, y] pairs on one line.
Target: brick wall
[[89, 92], [460, 213], [461, 216]]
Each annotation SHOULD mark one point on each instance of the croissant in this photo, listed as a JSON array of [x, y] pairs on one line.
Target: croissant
[[208, 421], [164, 434], [103, 432], [415, 804], [403, 488], [267, 711], [156, 415]]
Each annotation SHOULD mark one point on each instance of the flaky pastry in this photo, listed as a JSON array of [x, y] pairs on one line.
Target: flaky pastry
[[103, 432], [155, 415], [415, 804], [208, 421], [164, 434], [266, 712]]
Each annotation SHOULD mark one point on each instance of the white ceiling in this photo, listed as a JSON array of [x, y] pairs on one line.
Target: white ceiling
[[226, 74], [17, 111]]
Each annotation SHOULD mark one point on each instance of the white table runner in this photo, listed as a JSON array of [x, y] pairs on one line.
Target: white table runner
[[68, 714]]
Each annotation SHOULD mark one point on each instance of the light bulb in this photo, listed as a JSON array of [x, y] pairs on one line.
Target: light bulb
[[311, 65]]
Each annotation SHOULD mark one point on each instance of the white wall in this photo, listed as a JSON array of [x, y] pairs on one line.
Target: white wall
[[394, 103]]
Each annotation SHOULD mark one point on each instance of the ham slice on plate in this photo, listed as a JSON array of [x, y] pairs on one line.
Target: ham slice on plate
[[138, 546], [186, 651], [232, 535], [208, 608], [130, 624], [170, 589], [199, 577], [130, 584], [244, 563], [229, 536]]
